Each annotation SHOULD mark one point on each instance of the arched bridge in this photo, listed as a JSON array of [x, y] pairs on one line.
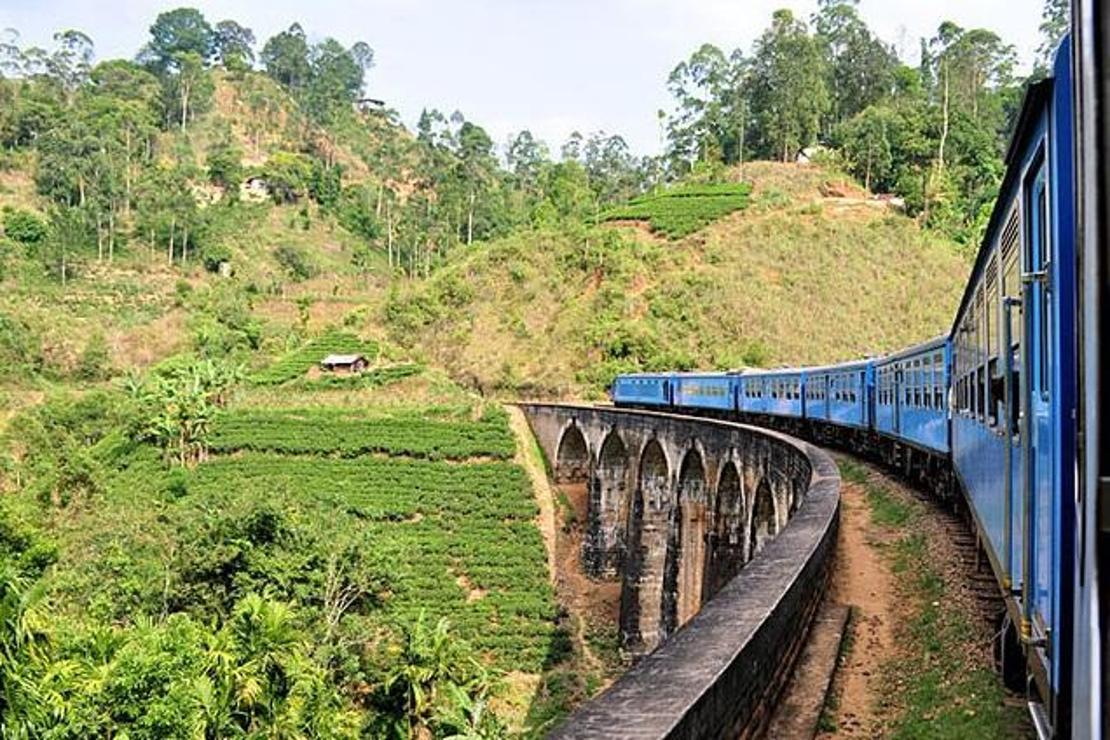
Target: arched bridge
[[722, 528]]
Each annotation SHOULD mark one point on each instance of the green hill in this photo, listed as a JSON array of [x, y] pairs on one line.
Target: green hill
[[798, 276]]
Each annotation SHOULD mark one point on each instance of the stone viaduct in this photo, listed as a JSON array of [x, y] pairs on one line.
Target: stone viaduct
[[675, 507], [678, 508]]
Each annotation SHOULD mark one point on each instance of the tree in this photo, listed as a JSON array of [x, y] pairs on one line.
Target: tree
[[526, 157], [234, 46], [225, 167], [478, 168], [363, 55], [69, 236], [704, 91], [1055, 21], [285, 57], [335, 82], [175, 407], [860, 67], [434, 679], [190, 89], [71, 61], [287, 175], [612, 170], [183, 31], [789, 94], [867, 145]]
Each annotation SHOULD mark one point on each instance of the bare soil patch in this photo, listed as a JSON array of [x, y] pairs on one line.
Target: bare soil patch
[[862, 579], [918, 662]]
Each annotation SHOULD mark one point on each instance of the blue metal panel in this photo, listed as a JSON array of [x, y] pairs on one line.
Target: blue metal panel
[[817, 401], [1063, 372], [979, 456], [704, 390], [774, 392]]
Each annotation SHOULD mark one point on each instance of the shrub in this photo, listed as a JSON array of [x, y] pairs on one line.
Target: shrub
[[295, 261], [288, 176], [356, 213], [20, 348], [214, 255], [94, 363], [24, 227], [225, 168]]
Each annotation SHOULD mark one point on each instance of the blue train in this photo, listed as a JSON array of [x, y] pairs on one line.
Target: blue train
[[987, 413]]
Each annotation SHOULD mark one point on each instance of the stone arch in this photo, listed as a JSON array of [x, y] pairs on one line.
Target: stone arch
[[728, 540], [608, 510], [764, 519], [654, 474], [686, 544], [572, 460], [649, 525], [797, 493], [784, 497]]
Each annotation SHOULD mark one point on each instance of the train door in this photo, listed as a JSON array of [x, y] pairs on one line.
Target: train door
[[1038, 452], [899, 379]]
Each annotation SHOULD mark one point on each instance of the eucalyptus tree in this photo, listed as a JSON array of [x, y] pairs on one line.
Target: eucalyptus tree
[[704, 89], [1055, 20], [285, 58], [234, 45], [860, 66], [788, 87]]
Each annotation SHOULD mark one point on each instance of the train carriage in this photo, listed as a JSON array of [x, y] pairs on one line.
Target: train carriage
[[705, 390], [911, 396], [1013, 425], [841, 394], [772, 392], [642, 389]]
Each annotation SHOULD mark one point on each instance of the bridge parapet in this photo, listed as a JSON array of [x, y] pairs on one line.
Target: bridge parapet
[[679, 508]]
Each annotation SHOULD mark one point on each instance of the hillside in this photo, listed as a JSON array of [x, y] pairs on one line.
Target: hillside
[[796, 277]]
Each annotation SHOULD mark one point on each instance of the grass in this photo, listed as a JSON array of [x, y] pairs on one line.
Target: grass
[[938, 687]]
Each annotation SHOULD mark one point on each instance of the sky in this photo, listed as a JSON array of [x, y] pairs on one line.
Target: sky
[[551, 66]]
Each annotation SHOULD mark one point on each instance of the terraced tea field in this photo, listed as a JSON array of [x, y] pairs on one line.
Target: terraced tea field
[[364, 519], [681, 211]]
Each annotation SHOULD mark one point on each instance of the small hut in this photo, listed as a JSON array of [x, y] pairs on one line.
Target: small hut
[[344, 364]]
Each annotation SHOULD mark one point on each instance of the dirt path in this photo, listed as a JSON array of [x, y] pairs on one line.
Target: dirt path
[[863, 580], [528, 458]]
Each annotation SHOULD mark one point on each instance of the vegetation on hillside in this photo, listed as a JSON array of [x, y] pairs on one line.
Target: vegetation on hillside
[[200, 536], [793, 278], [287, 582], [934, 133], [681, 211]]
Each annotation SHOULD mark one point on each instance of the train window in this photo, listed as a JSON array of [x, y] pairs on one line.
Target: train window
[[1046, 319], [980, 397], [998, 402], [1011, 271], [918, 379], [990, 306]]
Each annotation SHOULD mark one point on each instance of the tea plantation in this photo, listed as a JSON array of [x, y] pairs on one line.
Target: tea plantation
[[375, 537], [681, 211]]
